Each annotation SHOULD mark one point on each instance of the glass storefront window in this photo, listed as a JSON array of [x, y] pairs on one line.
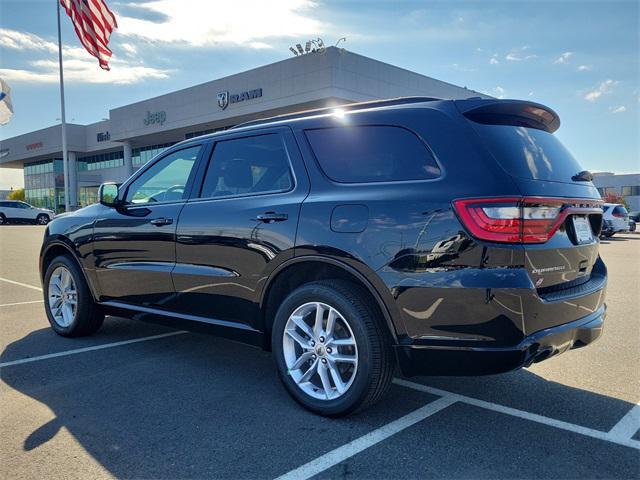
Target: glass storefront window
[[87, 195], [142, 155], [101, 160], [44, 183]]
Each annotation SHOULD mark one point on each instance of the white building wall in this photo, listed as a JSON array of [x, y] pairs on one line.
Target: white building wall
[[615, 182]]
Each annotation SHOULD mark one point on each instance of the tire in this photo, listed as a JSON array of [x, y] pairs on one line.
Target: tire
[[609, 235], [359, 330], [42, 219], [3, 219], [87, 318]]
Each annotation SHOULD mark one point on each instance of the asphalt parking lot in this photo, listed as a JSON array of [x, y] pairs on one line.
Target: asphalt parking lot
[[143, 401]]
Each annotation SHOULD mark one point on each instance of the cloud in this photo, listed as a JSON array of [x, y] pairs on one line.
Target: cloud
[[584, 68], [519, 54], [602, 89], [564, 57], [248, 23], [619, 109], [498, 92], [494, 59], [79, 66], [462, 68]]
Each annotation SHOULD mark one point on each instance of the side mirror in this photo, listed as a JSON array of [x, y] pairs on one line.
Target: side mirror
[[108, 194]]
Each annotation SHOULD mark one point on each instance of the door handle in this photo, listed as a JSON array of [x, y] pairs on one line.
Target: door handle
[[271, 217], [159, 222]]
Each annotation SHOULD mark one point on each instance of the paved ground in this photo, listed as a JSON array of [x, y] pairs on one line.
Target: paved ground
[[183, 405]]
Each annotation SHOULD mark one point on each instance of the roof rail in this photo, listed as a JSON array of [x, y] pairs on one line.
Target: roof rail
[[345, 107]]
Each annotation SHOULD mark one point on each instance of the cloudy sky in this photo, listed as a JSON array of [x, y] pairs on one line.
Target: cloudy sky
[[580, 58]]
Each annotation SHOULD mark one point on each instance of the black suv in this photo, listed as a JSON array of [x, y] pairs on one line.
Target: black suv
[[452, 237]]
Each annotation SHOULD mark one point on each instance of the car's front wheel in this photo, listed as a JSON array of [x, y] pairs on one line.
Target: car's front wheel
[[3, 219], [331, 348], [42, 219], [68, 302]]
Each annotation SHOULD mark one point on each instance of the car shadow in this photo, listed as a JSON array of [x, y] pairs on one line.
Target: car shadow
[[197, 406]]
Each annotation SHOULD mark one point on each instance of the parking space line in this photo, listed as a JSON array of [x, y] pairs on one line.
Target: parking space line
[[90, 349], [356, 446], [534, 417], [20, 303], [628, 425], [20, 284]]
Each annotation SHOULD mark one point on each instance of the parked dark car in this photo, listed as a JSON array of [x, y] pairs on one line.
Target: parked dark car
[[450, 237]]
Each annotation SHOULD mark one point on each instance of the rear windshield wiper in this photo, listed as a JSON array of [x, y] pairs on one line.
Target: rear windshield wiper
[[583, 176]]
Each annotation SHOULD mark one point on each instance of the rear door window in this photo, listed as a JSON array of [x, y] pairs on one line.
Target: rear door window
[[372, 153], [529, 153]]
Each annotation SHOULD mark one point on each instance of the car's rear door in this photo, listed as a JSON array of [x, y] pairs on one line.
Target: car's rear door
[[134, 245], [241, 227]]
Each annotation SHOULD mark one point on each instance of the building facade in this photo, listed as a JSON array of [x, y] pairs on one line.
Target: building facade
[[111, 150], [626, 185]]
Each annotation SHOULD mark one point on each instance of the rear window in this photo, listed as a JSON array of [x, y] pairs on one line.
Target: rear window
[[529, 153], [620, 210], [371, 153]]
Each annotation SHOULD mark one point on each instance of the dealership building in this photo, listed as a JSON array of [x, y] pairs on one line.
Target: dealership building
[[626, 185], [111, 150]]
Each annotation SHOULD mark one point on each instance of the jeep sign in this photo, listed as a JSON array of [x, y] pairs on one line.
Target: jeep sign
[[155, 117]]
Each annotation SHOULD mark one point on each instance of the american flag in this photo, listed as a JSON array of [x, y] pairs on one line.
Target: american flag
[[94, 23]]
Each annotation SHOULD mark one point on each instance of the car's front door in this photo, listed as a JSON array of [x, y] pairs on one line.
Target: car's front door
[[134, 245], [242, 225], [23, 211]]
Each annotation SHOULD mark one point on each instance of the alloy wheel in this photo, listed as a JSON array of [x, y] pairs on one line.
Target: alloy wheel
[[63, 296], [320, 351]]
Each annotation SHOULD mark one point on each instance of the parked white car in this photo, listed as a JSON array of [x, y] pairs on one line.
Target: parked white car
[[615, 219], [17, 211]]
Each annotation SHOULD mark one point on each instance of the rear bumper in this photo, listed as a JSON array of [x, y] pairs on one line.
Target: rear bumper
[[452, 360]]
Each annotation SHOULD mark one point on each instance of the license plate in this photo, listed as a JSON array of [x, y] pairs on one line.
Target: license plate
[[582, 228]]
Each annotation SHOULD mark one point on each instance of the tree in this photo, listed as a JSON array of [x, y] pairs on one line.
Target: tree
[[615, 198], [16, 194]]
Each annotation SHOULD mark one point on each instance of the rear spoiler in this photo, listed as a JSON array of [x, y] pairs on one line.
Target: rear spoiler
[[518, 113]]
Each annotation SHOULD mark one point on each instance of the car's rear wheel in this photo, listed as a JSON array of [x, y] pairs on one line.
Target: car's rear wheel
[[3, 219], [331, 348], [42, 219], [68, 302]]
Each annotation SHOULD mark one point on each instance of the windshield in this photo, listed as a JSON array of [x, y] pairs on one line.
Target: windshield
[[529, 153]]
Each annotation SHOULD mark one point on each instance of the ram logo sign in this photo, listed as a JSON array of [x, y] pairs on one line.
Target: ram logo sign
[[224, 98]]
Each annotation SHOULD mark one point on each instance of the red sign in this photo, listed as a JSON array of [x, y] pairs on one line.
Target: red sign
[[33, 146]]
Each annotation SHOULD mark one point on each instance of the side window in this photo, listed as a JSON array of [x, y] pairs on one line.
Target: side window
[[372, 153], [22, 205], [248, 165], [166, 180]]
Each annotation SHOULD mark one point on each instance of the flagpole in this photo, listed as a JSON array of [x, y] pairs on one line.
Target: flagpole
[[63, 122]]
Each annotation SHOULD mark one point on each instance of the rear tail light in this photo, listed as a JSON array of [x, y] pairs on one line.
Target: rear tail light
[[519, 219]]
